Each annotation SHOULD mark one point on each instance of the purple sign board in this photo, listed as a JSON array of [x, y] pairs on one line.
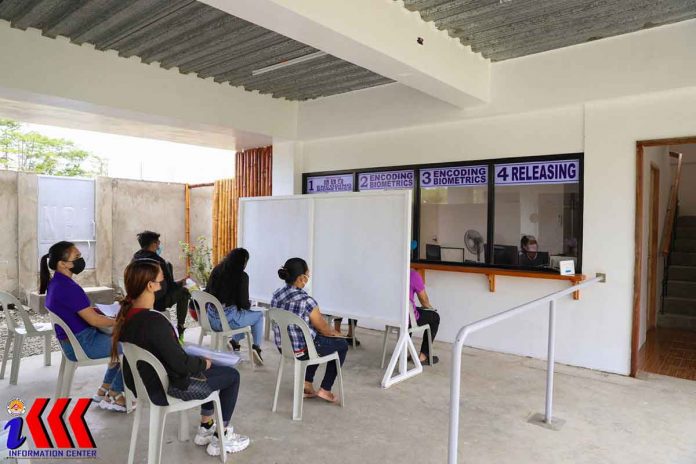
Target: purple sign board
[[457, 176], [386, 180], [541, 172], [329, 184]]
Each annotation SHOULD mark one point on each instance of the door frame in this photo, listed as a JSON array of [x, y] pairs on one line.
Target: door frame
[[653, 240], [638, 234]]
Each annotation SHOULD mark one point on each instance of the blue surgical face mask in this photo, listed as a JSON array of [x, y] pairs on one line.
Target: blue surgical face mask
[[159, 250]]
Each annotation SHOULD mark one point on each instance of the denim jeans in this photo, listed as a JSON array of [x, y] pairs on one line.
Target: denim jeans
[[96, 344], [326, 346], [238, 319]]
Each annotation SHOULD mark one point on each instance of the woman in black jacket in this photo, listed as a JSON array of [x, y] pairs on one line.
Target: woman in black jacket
[[230, 284], [189, 376]]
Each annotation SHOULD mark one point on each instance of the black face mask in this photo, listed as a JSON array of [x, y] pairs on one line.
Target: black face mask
[[78, 266], [159, 294]]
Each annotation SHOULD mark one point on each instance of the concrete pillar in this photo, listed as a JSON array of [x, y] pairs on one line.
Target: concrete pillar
[[27, 232], [8, 231], [287, 168], [103, 216]]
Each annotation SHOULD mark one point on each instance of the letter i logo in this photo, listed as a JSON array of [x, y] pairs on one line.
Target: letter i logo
[[15, 438]]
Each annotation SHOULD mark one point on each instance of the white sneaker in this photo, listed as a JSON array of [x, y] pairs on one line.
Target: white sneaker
[[204, 436], [234, 443]]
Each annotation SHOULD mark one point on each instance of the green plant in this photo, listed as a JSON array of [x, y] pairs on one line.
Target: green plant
[[200, 255]]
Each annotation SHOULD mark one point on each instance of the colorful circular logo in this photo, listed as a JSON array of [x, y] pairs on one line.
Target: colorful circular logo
[[16, 407]]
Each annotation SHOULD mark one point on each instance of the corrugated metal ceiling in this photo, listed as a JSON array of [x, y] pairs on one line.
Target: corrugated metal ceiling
[[195, 38], [504, 29]]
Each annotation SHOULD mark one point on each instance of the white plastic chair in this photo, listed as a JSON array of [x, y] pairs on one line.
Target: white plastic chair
[[415, 329], [217, 338], [284, 319], [18, 333], [158, 414], [351, 322]]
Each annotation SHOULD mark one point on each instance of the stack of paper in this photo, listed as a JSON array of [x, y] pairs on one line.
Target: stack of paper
[[109, 310], [219, 358]]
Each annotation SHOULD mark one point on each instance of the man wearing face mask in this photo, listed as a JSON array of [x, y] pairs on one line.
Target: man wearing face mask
[[172, 292], [530, 256]]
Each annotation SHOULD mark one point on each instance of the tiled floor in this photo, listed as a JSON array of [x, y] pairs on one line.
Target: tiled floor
[[671, 352]]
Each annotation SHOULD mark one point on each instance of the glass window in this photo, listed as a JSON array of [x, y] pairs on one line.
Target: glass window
[[537, 213], [453, 214]]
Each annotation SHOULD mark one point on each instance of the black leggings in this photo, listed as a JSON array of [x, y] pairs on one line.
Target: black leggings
[[433, 319]]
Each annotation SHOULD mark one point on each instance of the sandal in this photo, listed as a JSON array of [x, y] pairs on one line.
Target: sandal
[[112, 403], [335, 400], [257, 355], [350, 341], [99, 396], [427, 361]]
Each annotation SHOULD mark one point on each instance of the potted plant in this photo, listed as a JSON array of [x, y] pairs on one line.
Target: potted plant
[[200, 256]]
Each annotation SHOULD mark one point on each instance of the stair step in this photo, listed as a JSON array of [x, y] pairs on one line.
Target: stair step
[[686, 221], [683, 258], [686, 232], [676, 321], [681, 289], [685, 244], [682, 273], [680, 306]]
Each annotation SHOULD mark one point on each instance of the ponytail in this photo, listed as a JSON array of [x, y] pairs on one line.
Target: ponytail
[[292, 269], [137, 275], [58, 252]]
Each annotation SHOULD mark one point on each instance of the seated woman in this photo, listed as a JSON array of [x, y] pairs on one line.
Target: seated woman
[[424, 314], [230, 284], [189, 376], [293, 298], [66, 299], [530, 254]]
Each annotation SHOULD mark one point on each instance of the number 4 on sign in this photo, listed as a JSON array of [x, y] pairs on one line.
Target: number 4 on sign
[[503, 174]]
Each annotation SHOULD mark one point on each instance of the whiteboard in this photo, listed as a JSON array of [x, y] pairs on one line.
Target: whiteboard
[[361, 250], [357, 246], [66, 212], [273, 230]]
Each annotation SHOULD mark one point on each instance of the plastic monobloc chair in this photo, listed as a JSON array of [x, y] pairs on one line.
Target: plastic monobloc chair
[[17, 333], [415, 329], [158, 414], [201, 300], [284, 319]]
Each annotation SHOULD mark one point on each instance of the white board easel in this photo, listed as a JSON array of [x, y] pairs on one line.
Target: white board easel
[[357, 246]]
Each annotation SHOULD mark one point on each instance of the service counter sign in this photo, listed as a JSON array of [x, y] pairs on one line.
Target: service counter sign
[[328, 184], [541, 172], [458, 176], [386, 180]]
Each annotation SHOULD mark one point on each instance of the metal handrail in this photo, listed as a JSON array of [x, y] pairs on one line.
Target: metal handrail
[[468, 329]]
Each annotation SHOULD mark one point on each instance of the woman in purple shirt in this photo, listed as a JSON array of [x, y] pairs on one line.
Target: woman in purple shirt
[[66, 299], [424, 314]]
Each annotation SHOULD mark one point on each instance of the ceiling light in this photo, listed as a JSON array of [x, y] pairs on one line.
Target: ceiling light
[[284, 64]]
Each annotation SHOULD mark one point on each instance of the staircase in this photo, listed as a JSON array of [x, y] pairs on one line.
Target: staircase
[[679, 307]]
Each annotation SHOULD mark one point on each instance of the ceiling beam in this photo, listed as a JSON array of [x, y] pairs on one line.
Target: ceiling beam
[[383, 41]]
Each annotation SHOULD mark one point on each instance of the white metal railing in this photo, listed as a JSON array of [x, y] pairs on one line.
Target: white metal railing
[[468, 329]]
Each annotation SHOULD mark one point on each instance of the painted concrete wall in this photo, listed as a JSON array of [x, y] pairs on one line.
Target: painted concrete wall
[[123, 208], [595, 331]]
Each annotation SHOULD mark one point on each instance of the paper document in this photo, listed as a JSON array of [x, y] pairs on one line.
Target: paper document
[[219, 358], [109, 310]]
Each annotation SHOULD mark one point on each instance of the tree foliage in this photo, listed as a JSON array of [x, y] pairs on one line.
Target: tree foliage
[[34, 152]]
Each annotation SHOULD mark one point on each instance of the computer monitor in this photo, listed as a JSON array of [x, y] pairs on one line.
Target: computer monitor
[[540, 260], [504, 254], [433, 252]]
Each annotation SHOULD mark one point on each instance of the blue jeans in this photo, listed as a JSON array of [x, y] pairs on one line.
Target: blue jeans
[[238, 319], [226, 381], [326, 346], [96, 344]]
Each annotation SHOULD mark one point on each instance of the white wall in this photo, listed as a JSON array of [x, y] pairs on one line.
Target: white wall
[[659, 156], [595, 331]]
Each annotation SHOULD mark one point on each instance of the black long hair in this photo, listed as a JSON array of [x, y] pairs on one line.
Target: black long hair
[[58, 252], [292, 269], [232, 266]]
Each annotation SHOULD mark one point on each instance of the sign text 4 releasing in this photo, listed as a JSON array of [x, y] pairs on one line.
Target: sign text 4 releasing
[[542, 172]]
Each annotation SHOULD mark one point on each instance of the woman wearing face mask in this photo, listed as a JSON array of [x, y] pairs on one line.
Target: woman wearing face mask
[[66, 299], [190, 377], [230, 284], [293, 298]]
